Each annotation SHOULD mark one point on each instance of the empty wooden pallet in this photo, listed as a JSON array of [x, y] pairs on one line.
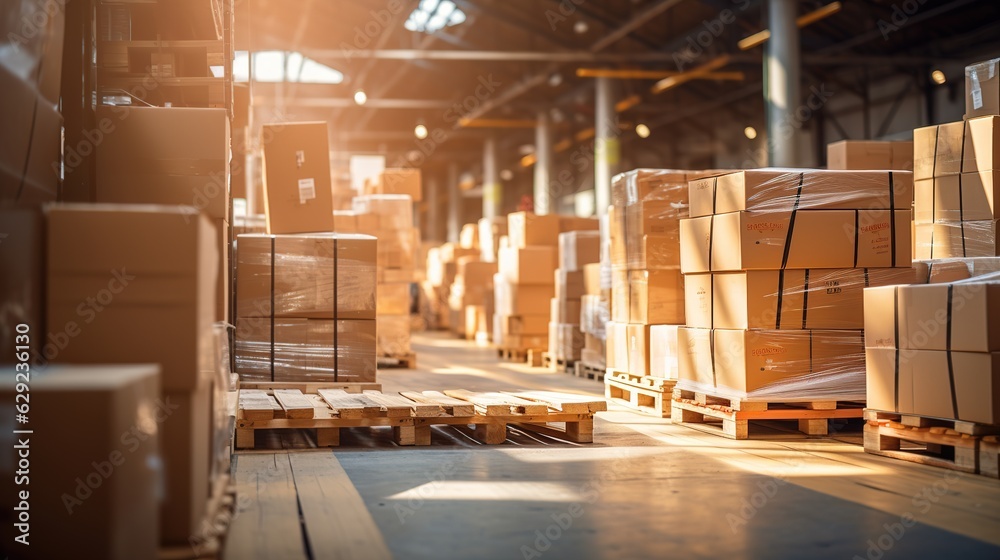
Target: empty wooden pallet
[[951, 444], [327, 410], [405, 361], [642, 393]]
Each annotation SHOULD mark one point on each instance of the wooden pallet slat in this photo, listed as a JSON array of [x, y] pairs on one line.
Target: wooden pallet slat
[[589, 371], [989, 456], [350, 405], [563, 402], [446, 404], [951, 444], [396, 405], [257, 405], [294, 403], [498, 404]]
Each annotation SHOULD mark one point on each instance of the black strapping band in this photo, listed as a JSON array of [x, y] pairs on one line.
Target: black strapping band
[[857, 235], [895, 318], [781, 297], [961, 214], [272, 308], [892, 219], [805, 300], [791, 221], [711, 239], [868, 280], [336, 314], [951, 367], [711, 351]]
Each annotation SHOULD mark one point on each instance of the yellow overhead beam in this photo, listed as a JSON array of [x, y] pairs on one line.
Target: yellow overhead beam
[[497, 123], [650, 74], [693, 74], [761, 37]]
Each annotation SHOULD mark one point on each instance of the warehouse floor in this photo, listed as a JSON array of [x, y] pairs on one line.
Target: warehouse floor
[[645, 488]]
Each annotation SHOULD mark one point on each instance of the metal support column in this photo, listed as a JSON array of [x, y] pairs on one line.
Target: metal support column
[[543, 163], [492, 193], [606, 145], [782, 67], [454, 204], [431, 228]]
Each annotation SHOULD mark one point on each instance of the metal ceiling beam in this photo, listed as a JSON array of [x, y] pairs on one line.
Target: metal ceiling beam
[[489, 56], [877, 32], [631, 25], [345, 103]]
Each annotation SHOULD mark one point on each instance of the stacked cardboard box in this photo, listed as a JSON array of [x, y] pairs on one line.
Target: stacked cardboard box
[[775, 265], [490, 232], [577, 249], [468, 295], [136, 284], [298, 195], [389, 217], [956, 172], [646, 284], [306, 307], [525, 282], [860, 155], [442, 269], [396, 181], [595, 312]]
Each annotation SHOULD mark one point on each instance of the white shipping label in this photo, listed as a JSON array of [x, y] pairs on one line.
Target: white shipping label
[[977, 99], [307, 190]]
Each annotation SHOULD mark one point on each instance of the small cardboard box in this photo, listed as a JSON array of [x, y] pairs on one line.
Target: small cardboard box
[[393, 339], [663, 351], [777, 190], [298, 195], [869, 155], [592, 279], [946, 240], [618, 237], [398, 181], [982, 89], [982, 144], [770, 240], [638, 348], [525, 324], [564, 311], [965, 197], [311, 349], [528, 230], [578, 249], [694, 356], [656, 297], [346, 221], [527, 299], [530, 265], [651, 252], [569, 285], [937, 150], [620, 293]]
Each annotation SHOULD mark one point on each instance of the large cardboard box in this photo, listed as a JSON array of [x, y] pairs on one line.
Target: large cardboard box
[[345, 221], [617, 237], [635, 185], [132, 284], [569, 285], [165, 155], [946, 240], [869, 155], [957, 316], [524, 299], [982, 144], [117, 518], [309, 349], [574, 223], [951, 385], [524, 324], [965, 197], [579, 248], [298, 195], [490, 232], [937, 150], [982, 89], [656, 297], [398, 181], [787, 189], [320, 276], [651, 252], [529, 266], [617, 346], [771, 240], [808, 299], [620, 294], [528, 230], [951, 270], [592, 279], [565, 311], [393, 299], [663, 351], [638, 348]]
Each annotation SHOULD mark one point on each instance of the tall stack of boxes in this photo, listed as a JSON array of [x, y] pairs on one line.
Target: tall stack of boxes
[[442, 269], [490, 232], [389, 217], [306, 307], [525, 282], [577, 249], [468, 295], [594, 316], [775, 265], [955, 174], [646, 284], [144, 306]]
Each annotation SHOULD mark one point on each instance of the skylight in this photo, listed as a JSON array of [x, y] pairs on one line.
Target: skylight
[[433, 15], [283, 66]]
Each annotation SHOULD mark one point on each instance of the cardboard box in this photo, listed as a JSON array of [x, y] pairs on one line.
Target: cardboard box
[[22, 249], [635, 185], [569, 342], [617, 237], [185, 447], [223, 284], [952, 385], [654, 252], [762, 240], [394, 211], [953, 270], [663, 351], [393, 299], [620, 294], [937, 150], [965, 197], [579, 248], [564, 311], [132, 284], [524, 324], [982, 89], [298, 195], [934, 317], [165, 155], [530, 266], [781, 190], [320, 276], [573, 223], [638, 348], [525, 299], [617, 346], [475, 320], [809, 299], [398, 181], [592, 279], [118, 520], [946, 240], [527, 342], [569, 285], [528, 230], [490, 232], [345, 221], [476, 274], [982, 145], [869, 155], [656, 297], [309, 349], [746, 361]]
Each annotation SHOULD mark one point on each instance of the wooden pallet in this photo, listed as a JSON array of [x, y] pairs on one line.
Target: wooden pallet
[[699, 410], [411, 414], [648, 395], [530, 356], [551, 362], [589, 371], [209, 542], [404, 361], [951, 444], [989, 456]]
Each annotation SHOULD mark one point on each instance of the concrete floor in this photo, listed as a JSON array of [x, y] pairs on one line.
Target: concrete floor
[[647, 488]]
